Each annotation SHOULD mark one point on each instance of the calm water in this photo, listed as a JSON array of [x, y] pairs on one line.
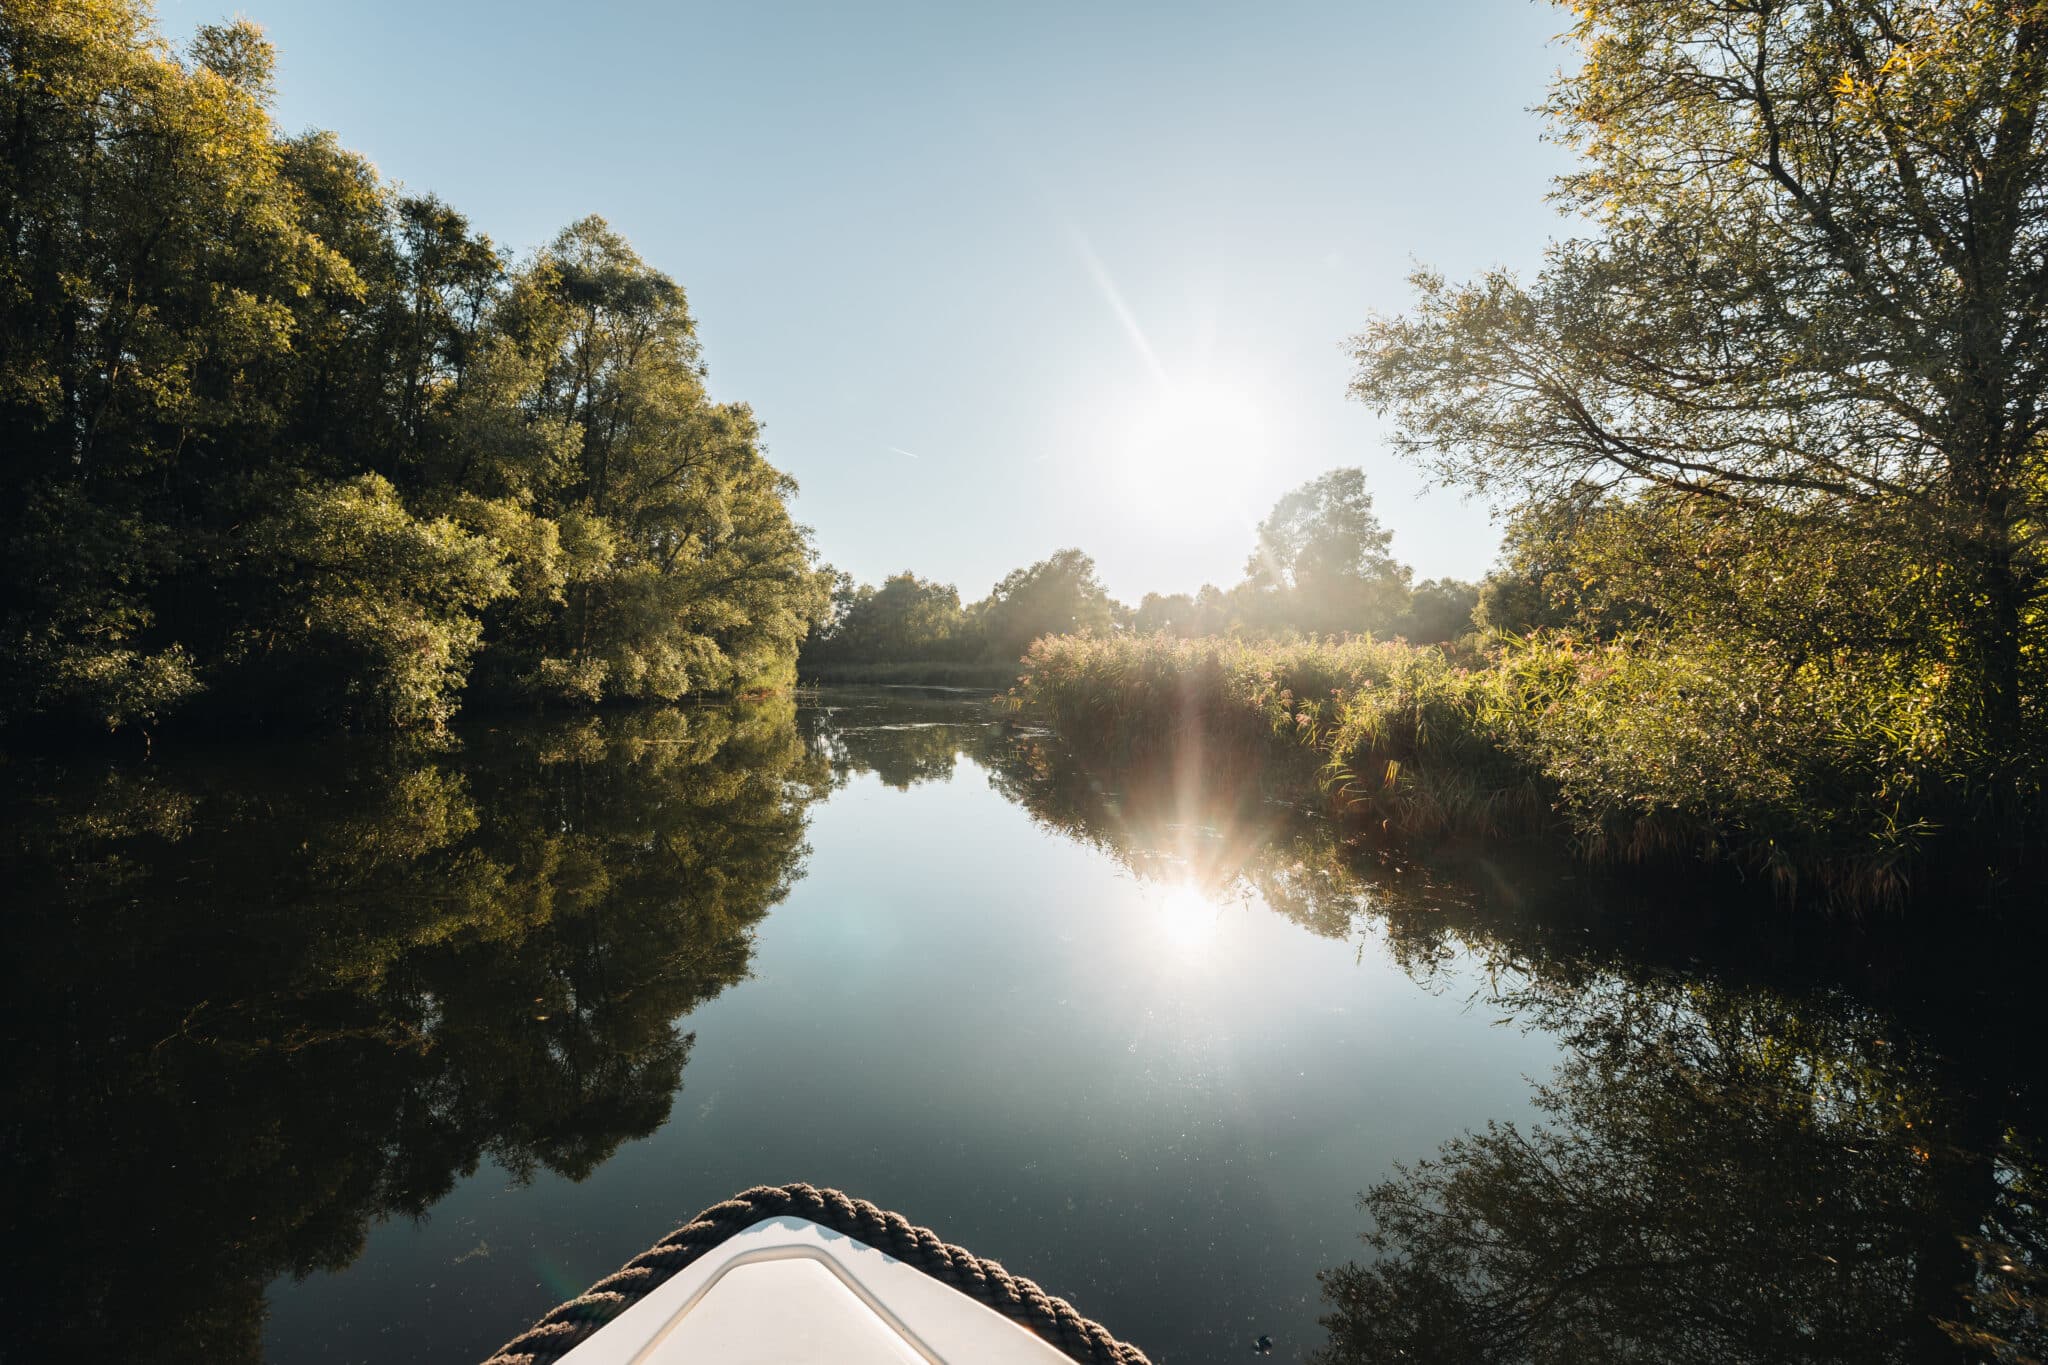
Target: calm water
[[347, 1052]]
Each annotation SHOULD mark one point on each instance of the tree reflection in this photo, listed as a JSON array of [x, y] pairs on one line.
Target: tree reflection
[[901, 748], [1722, 1174], [1753, 1151], [1224, 834], [1771, 1154], [258, 1005]]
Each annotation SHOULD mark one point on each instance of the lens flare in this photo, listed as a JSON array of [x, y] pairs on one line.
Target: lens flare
[[1186, 918]]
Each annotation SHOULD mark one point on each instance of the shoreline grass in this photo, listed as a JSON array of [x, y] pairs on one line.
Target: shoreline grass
[[1626, 753], [912, 673]]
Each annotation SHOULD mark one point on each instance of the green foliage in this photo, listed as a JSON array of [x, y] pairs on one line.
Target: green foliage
[[1322, 562], [1786, 393], [282, 440], [1823, 777], [1440, 611], [906, 618], [914, 630], [1210, 611], [1404, 737], [990, 676], [683, 570], [1322, 565], [1543, 579], [1806, 771], [1058, 595], [380, 609]]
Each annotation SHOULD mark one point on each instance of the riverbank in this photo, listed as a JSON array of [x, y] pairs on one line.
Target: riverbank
[[995, 677], [1623, 753]]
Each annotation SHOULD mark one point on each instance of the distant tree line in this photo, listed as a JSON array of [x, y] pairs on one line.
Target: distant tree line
[[282, 439], [1322, 565]]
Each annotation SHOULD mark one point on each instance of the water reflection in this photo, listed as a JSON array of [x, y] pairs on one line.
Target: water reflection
[[1727, 1174], [1799, 1156], [256, 1005]]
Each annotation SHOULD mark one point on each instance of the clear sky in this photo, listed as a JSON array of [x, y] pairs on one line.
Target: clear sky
[[998, 278]]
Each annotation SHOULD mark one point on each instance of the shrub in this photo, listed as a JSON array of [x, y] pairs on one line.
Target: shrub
[[1819, 773]]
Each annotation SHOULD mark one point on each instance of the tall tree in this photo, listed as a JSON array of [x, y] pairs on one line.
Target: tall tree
[[1815, 288], [1439, 611], [1324, 562], [1059, 595], [155, 270], [907, 617], [685, 570]]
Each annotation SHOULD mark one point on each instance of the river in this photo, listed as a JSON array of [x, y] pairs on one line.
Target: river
[[361, 1051]]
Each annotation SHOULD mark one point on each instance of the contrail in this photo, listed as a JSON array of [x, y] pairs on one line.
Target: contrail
[[901, 451], [1117, 305]]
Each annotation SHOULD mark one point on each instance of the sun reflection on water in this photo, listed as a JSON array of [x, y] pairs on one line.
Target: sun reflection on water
[[1186, 918]]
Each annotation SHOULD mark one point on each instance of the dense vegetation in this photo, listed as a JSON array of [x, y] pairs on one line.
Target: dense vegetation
[[1775, 438], [1322, 562], [281, 439], [920, 628], [1629, 752]]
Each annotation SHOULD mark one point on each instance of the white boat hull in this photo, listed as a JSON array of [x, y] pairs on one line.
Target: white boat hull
[[787, 1290]]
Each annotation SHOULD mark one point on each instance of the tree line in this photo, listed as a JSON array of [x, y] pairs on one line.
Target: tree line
[[283, 439], [1322, 564]]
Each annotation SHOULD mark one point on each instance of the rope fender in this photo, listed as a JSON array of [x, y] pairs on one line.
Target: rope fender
[[1052, 1319]]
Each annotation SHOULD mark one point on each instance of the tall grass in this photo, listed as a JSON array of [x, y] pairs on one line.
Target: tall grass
[[1393, 735], [1632, 751], [1808, 771]]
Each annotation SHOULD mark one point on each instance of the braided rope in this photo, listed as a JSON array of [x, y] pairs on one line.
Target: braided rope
[[1052, 1319]]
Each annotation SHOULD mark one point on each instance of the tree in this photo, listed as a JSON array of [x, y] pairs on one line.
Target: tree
[[1059, 595], [683, 569], [1323, 560], [283, 441], [1541, 580], [155, 272], [906, 618], [1814, 291], [1173, 613], [1439, 611]]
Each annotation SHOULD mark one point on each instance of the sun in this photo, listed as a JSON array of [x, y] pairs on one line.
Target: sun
[[1191, 450], [1185, 918]]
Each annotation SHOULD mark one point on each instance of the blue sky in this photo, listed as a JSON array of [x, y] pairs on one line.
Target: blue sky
[[997, 278]]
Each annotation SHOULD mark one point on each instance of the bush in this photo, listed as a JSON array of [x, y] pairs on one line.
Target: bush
[[1398, 733], [1818, 773], [1793, 768]]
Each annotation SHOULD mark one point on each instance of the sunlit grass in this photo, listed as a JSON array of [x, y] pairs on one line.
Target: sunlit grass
[[1631, 751]]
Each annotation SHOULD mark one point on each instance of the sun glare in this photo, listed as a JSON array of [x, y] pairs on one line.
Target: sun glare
[[1186, 918], [1191, 449]]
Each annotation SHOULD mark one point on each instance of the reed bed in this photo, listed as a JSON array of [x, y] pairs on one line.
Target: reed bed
[[1632, 752]]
